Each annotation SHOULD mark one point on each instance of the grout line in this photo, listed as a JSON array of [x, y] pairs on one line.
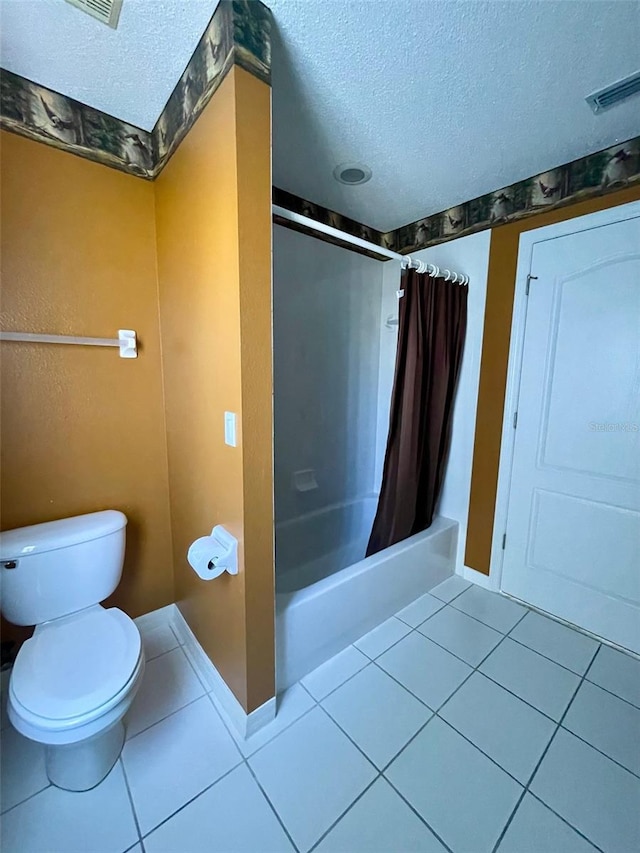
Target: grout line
[[503, 832], [606, 755], [564, 820], [204, 686], [480, 621], [546, 657], [26, 799], [189, 801], [130, 795], [276, 735], [272, 807], [161, 655], [162, 719], [343, 814], [543, 755], [479, 748], [418, 815]]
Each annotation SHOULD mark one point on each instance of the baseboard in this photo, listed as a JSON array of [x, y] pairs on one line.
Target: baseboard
[[479, 578], [156, 618], [223, 698]]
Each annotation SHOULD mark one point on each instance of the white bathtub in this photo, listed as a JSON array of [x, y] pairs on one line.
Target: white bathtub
[[321, 610]]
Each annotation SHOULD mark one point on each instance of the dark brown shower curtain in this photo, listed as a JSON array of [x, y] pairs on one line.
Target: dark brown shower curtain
[[433, 320]]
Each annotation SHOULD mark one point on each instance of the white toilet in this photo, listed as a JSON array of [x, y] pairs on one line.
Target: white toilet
[[74, 680]]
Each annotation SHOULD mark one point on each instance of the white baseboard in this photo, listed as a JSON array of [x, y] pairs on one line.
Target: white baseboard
[[156, 618], [223, 698], [479, 578]]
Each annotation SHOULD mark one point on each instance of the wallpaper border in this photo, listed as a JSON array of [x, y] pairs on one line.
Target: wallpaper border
[[239, 32], [595, 175]]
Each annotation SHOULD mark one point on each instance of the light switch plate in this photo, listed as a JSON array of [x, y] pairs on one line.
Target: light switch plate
[[230, 429]]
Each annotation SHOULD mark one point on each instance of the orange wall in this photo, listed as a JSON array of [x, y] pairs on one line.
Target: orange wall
[[213, 204], [81, 428], [503, 259]]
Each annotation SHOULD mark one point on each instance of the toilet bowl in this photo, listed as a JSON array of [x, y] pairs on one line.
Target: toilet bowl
[[75, 679]]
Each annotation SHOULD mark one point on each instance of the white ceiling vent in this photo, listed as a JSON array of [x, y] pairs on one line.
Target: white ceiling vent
[[107, 11], [614, 94]]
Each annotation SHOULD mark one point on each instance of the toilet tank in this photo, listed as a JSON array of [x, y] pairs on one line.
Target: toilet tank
[[57, 568]]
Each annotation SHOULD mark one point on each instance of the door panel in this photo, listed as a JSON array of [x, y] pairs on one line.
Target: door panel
[[573, 528]]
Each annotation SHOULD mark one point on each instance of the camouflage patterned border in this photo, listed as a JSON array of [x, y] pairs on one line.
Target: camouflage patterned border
[[329, 217], [594, 175], [239, 32]]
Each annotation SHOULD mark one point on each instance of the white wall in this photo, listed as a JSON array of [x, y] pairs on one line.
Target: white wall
[[386, 368], [468, 255], [326, 326]]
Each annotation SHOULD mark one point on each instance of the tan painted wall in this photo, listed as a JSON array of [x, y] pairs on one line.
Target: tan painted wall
[[83, 429], [213, 205], [493, 372]]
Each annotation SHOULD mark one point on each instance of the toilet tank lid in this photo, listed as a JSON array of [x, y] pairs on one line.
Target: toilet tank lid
[[39, 538]]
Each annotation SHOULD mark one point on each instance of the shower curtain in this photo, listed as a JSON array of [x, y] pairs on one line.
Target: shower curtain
[[433, 319]]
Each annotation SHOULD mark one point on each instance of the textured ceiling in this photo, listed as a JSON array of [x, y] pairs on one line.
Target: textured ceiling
[[129, 72], [444, 99]]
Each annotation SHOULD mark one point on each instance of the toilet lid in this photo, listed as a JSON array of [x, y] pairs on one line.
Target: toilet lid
[[74, 665]]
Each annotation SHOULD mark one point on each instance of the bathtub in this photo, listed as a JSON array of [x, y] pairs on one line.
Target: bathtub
[[327, 596]]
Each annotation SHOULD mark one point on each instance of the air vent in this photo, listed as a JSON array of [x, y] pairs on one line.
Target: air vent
[[614, 94], [106, 11]]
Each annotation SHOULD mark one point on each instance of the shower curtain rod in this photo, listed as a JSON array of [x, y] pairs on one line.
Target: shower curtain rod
[[406, 260]]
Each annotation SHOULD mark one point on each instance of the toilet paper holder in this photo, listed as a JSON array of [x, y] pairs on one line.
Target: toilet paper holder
[[212, 555]]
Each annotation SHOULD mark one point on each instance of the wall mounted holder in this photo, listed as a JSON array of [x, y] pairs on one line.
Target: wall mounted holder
[[126, 341]]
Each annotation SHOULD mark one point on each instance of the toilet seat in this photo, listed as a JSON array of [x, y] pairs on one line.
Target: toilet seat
[[76, 668]]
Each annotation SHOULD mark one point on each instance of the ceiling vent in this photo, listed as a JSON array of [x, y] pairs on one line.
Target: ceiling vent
[[106, 11], [614, 94]]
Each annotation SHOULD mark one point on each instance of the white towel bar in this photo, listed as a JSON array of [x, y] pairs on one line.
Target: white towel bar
[[126, 341]]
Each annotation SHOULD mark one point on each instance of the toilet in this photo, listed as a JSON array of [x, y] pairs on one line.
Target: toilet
[[74, 680]]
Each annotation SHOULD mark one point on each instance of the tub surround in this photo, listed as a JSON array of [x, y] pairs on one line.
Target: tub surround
[[318, 621]]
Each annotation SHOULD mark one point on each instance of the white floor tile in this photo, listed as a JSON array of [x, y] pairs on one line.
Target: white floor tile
[[233, 816], [156, 641], [608, 723], [426, 670], [169, 683], [536, 679], [461, 794], [494, 610], [502, 726], [376, 713], [334, 672], [535, 829], [311, 773], [420, 609], [380, 822], [562, 644], [618, 673], [23, 770], [449, 589], [56, 821], [381, 638], [461, 635], [592, 793], [291, 705], [176, 759]]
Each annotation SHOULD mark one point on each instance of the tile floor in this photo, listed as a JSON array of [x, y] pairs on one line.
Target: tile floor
[[465, 723]]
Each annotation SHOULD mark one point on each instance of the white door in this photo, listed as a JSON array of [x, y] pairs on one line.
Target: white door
[[572, 543]]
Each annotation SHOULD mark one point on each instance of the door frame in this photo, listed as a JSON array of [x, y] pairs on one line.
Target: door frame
[[528, 240]]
